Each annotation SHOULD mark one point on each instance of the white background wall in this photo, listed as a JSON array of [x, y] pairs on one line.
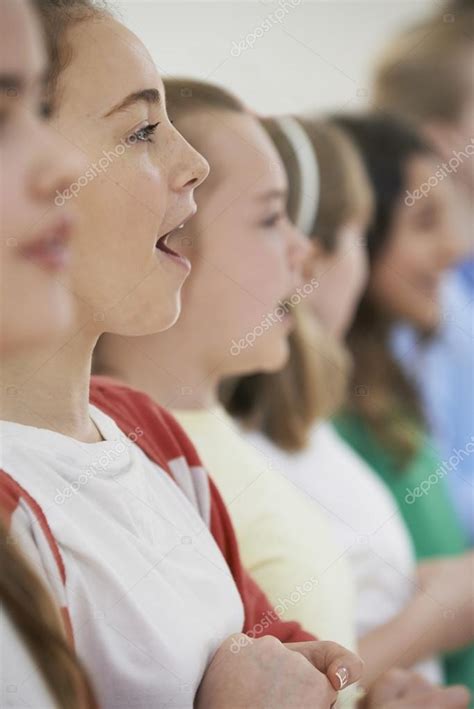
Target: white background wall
[[318, 57]]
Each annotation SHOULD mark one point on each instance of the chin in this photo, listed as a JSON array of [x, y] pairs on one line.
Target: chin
[[427, 323], [149, 320]]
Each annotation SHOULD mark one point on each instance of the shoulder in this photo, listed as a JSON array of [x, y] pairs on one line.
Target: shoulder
[[136, 413]]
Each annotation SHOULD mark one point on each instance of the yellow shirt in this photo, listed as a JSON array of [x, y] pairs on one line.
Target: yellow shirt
[[285, 541]]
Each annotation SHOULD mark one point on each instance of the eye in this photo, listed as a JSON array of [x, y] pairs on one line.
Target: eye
[[272, 220], [144, 135]]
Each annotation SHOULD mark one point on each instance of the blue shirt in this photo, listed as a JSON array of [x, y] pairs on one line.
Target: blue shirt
[[443, 370]]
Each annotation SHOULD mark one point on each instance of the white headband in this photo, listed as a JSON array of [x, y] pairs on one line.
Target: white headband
[[309, 170]]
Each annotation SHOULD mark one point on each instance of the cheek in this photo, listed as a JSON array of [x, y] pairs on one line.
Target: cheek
[[253, 262], [123, 210], [17, 213], [266, 272], [35, 306]]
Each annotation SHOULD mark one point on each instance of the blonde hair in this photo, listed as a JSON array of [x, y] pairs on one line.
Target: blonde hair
[[313, 383], [419, 76]]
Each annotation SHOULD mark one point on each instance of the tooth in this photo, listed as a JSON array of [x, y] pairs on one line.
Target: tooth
[[181, 226]]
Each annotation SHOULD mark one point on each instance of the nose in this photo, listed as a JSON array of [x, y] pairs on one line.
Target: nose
[[299, 249], [192, 168]]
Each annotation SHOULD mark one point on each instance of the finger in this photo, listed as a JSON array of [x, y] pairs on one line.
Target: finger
[[391, 685], [416, 684], [455, 697], [341, 666]]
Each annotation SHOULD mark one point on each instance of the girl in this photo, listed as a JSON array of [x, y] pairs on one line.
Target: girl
[[443, 110], [285, 411], [38, 666], [138, 567], [409, 249]]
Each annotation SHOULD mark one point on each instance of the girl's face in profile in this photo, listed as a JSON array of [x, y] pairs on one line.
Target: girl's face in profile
[[341, 276], [422, 243], [137, 186], [35, 234], [247, 257]]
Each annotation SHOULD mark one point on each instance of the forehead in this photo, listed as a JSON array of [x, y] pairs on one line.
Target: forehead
[[108, 63], [241, 156], [22, 50], [425, 172]]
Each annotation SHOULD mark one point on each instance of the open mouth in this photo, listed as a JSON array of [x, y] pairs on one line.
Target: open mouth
[[162, 244]]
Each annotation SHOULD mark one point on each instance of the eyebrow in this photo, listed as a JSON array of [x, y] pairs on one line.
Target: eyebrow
[[149, 96], [273, 194]]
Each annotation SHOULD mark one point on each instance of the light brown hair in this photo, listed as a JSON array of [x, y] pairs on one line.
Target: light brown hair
[[58, 17], [422, 74], [37, 621]]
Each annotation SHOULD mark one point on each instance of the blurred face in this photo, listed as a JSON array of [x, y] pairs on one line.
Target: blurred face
[[246, 255], [341, 276], [137, 189], [455, 140], [34, 240], [421, 245]]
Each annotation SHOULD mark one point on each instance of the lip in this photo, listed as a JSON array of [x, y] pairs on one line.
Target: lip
[[162, 247], [51, 248]]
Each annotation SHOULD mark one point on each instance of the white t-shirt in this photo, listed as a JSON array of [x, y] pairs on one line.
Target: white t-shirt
[[149, 593], [365, 518]]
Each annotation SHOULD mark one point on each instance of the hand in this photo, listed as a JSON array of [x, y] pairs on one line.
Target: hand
[[404, 689], [449, 582], [264, 673]]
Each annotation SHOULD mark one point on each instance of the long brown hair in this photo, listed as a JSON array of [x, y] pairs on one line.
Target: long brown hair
[[313, 383], [37, 621], [381, 393]]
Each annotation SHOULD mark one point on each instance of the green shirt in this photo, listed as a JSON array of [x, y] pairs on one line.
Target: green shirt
[[423, 499]]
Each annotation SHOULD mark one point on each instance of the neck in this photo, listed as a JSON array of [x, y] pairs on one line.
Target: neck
[[171, 373], [49, 387]]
